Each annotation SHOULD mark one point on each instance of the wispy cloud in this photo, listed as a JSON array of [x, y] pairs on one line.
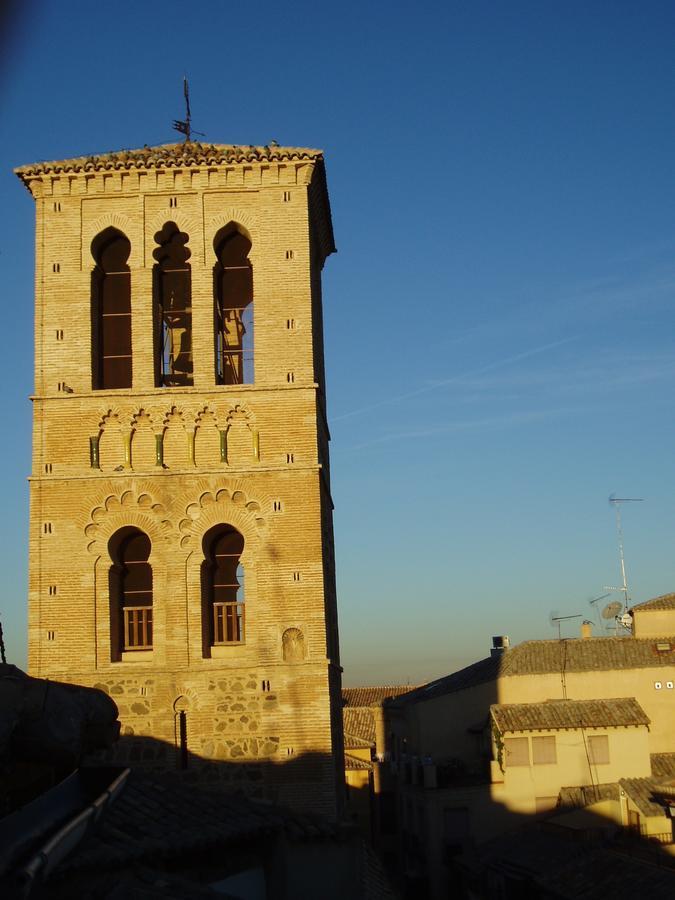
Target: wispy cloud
[[498, 421], [457, 379]]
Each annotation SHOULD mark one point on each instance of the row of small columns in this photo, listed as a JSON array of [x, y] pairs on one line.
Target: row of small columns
[[94, 455]]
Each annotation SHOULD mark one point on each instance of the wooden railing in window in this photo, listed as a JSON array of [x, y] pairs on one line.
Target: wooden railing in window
[[137, 627], [228, 623]]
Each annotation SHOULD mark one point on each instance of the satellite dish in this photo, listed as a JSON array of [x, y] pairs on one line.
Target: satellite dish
[[612, 610]]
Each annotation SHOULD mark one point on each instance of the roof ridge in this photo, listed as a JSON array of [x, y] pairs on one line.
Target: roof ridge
[[168, 155]]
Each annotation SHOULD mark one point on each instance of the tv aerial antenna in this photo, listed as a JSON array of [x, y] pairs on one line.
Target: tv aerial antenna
[[595, 600], [556, 620], [184, 126], [623, 619]]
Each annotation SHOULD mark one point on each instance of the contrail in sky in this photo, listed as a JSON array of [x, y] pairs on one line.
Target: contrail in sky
[[457, 378]]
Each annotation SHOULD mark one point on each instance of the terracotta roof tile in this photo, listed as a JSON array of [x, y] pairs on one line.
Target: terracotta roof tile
[[586, 794], [665, 601], [166, 816], [354, 762], [354, 742], [583, 655], [663, 765], [359, 723], [373, 696], [553, 714], [477, 673], [644, 793], [180, 154]]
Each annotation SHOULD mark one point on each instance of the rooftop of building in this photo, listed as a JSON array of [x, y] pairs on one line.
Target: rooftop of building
[[163, 816], [353, 763], [359, 727], [665, 601], [373, 696], [180, 154], [587, 794], [542, 657], [558, 864], [550, 715], [663, 765], [649, 794]]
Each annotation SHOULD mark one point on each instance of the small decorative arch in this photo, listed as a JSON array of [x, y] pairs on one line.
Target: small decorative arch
[[117, 511], [174, 442], [207, 438], [111, 441], [233, 305], [241, 440], [293, 645], [172, 291], [143, 445], [111, 365], [227, 504]]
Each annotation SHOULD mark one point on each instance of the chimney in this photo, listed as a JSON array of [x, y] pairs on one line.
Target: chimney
[[500, 643], [586, 629]]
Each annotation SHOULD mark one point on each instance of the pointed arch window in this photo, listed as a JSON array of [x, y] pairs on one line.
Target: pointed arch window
[[111, 311], [130, 592], [173, 308], [233, 296], [223, 587]]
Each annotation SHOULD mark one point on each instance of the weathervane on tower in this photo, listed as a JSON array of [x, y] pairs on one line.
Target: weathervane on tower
[[184, 126]]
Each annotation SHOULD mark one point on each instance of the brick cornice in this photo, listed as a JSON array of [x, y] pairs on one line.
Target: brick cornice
[[169, 156]]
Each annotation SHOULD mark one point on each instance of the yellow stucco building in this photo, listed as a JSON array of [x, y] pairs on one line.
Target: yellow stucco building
[[583, 729], [181, 544]]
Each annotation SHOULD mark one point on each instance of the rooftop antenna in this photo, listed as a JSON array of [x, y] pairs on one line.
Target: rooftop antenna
[[616, 503], [555, 619], [2, 646], [595, 608], [184, 126]]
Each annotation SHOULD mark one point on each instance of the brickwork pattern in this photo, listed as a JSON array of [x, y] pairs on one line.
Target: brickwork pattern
[[176, 461]]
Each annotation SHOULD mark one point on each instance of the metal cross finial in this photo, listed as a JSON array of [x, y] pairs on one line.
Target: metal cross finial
[[183, 125]]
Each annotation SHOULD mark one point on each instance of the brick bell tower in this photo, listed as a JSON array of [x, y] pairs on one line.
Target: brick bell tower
[[181, 542]]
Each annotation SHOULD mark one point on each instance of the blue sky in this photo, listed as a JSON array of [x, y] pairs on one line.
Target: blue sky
[[499, 316]]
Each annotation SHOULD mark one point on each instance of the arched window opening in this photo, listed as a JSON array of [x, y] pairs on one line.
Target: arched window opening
[[173, 308], [233, 295], [111, 311], [130, 591], [223, 586]]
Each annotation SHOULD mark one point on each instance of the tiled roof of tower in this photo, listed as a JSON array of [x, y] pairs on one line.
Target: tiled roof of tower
[[554, 714], [373, 696], [175, 155], [665, 601]]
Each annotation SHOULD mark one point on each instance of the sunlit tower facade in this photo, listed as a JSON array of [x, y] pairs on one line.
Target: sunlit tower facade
[[181, 541]]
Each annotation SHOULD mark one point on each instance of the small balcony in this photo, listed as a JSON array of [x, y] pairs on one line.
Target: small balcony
[[228, 623], [137, 628]]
